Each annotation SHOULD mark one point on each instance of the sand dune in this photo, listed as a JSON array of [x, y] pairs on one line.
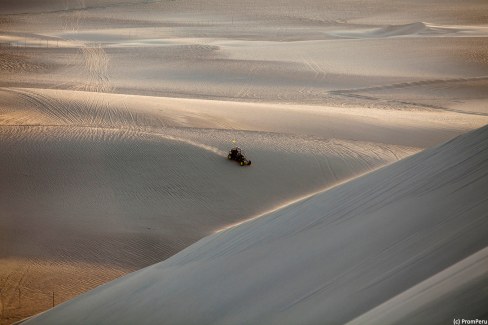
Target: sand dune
[[329, 258], [148, 113], [422, 303], [116, 116], [412, 29], [219, 52], [97, 185]]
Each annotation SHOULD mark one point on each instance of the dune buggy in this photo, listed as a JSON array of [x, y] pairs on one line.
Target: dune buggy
[[237, 155]]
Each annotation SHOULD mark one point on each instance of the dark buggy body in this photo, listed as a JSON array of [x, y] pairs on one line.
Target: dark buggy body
[[237, 155]]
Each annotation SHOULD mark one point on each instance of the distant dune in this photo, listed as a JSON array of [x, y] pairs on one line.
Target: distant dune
[[33, 6]]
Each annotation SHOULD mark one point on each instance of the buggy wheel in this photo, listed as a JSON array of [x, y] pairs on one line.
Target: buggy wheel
[[229, 157], [241, 163]]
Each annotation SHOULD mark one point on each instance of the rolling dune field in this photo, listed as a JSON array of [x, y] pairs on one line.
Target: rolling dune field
[[116, 118]]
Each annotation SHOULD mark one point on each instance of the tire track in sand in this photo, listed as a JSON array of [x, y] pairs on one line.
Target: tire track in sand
[[97, 66], [96, 63], [355, 92], [132, 133]]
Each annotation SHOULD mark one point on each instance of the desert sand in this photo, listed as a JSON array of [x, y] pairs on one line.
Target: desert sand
[[116, 119], [404, 244]]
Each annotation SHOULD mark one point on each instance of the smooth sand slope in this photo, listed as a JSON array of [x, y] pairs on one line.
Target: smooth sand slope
[[408, 231], [116, 116], [92, 190]]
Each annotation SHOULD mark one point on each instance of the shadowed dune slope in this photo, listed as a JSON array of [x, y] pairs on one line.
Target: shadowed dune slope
[[329, 258], [133, 198], [96, 186]]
